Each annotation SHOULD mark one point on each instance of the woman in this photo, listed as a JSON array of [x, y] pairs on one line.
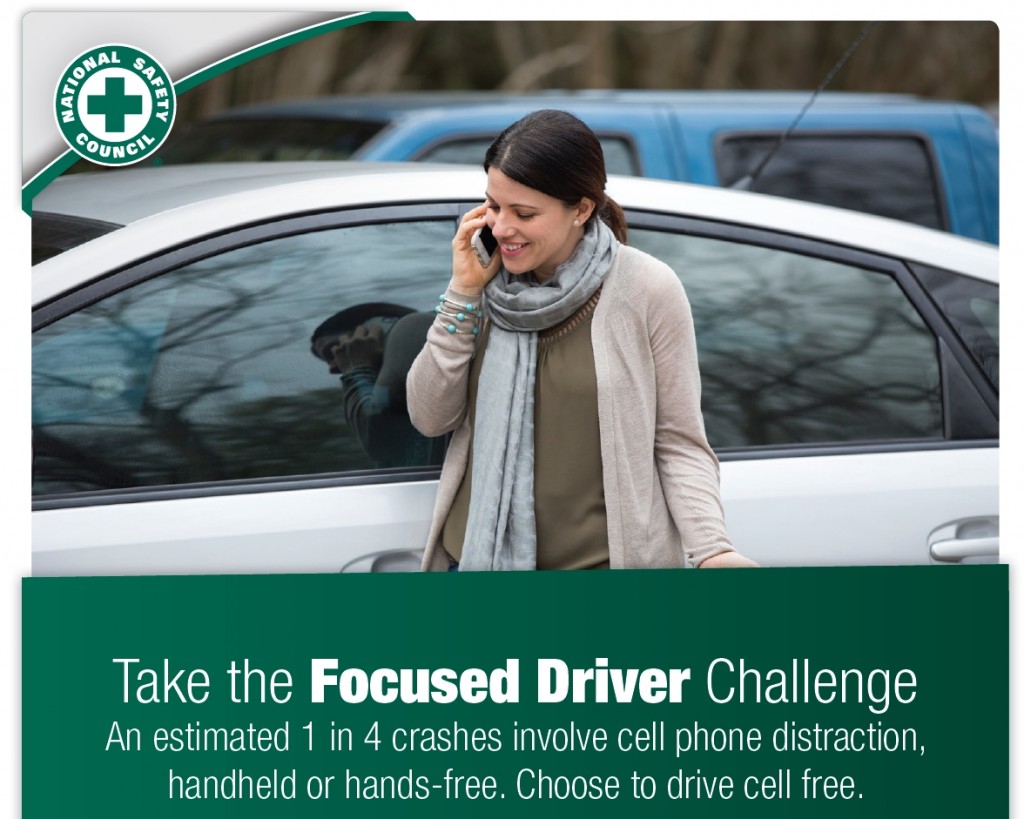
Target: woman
[[573, 393]]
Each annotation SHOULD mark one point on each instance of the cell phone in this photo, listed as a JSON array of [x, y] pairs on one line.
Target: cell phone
[[484, 244]]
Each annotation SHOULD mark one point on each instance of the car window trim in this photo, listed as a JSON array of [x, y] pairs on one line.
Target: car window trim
[[894, 447], [149, 494], [240, 486]]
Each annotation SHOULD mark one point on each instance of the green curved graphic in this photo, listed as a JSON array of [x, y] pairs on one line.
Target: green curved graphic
[[31, 189]]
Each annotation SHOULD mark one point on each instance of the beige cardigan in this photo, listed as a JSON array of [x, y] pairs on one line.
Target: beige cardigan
[[661, 480]]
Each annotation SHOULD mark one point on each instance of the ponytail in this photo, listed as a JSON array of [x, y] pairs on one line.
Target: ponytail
[[611, 214]]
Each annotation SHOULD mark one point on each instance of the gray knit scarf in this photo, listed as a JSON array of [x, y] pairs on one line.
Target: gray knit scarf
[[501, 531]]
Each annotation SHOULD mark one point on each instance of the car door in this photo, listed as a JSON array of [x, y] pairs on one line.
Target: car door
[[183, 421], [852, 400]]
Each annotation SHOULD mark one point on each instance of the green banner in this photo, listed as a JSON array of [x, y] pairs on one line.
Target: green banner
[[774, 693]]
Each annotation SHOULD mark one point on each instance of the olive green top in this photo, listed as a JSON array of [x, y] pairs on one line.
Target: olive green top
[[661, 483], [572, 530]]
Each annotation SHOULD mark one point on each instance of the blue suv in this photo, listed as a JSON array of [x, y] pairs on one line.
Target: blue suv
[[927, 162]]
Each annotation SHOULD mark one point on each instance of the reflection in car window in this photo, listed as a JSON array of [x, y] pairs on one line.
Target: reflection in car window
[[885, 175], [799, 350], [972, 307], [209, 372], [619, 157]]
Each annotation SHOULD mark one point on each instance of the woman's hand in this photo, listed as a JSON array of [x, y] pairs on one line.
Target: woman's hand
[[729, 560], [469, 277]]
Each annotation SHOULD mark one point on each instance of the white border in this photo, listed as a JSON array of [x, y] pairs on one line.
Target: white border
[[14, 490]]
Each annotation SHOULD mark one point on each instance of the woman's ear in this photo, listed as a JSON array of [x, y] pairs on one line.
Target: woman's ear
[[584, 210]]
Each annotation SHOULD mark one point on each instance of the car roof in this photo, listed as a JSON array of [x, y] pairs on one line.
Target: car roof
[[414, 132], [130, 194], [497, 106], [173, 205]]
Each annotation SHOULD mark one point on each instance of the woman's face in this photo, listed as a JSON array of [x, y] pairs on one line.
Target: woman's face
[[534, 231]]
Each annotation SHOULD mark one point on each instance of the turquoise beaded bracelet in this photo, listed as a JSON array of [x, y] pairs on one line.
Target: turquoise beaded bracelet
[[448, 309]]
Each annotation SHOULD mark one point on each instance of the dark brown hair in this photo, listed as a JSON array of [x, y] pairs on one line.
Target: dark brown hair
[[557, 154]]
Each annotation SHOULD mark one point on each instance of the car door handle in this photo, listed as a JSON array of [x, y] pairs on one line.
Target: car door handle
[[960, 548], [965, 539], [388, 560]]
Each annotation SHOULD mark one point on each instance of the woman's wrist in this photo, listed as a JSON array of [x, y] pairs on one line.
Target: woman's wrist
[[459, 312], [464, 291]]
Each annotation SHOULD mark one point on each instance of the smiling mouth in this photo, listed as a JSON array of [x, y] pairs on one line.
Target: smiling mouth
[[512, 248]]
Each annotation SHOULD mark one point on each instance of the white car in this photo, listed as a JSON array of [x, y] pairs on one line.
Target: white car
[[183, 421]]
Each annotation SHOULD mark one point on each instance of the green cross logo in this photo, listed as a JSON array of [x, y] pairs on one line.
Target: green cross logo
[[114, 105]]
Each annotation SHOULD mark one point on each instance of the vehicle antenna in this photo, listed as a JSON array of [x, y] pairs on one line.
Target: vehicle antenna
[[746, 183]]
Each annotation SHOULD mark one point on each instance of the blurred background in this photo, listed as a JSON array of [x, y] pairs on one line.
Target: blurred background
[[942, 60]]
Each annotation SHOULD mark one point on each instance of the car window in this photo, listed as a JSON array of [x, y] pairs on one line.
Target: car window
[[260, 140], [53, 233], [972, 306], [885, 175], [221, 369], [800, 350], [619, 156]]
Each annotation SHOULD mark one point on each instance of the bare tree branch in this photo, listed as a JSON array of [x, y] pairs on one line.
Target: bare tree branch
[[529, 75], [383, 69]]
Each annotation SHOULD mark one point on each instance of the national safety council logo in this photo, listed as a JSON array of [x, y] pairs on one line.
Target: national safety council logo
[[114, 104]]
